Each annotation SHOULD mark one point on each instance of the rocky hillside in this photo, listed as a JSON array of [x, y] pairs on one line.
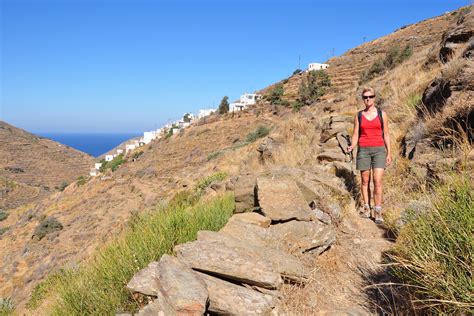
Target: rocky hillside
[[430, 89], [33, 167]]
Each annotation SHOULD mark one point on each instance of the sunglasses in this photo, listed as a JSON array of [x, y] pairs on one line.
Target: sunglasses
[[366, 97]]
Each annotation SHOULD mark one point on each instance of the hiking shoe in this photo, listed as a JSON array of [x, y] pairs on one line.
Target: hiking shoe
[[378, 215], [365, 211]]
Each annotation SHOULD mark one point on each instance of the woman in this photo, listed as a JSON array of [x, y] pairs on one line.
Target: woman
[[371, 134]]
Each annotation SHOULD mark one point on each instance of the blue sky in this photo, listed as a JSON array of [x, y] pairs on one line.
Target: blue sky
[[129, 66]]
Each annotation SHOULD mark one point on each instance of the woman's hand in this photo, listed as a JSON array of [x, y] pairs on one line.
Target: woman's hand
[[388, 161], [349, 148]]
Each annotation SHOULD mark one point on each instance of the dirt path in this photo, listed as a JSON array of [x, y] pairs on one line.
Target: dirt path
[[340, 275]]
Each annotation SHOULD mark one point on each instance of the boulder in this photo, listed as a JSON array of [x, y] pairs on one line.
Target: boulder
[[226, 298], [330, 133], [252, 218], [322, 217], [332, 155], [304, 237], [288, 266], [229, 263], [342, 118], [342, 126], [332, 143], [266, 149], [244, 191], [181, 286], [253, 234], [159, 307], [145, 281], [281, 200]]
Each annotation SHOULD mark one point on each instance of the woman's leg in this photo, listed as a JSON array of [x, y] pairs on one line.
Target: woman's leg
[[378, 173], [364, 185]]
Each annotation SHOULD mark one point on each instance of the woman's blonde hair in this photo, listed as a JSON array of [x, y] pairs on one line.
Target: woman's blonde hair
[[367, 89]]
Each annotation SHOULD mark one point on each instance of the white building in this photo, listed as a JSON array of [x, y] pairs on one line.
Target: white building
[[205, 112], [130, 147], [97, 165], [246, 99], [148, 137], [109, 157], [175, 130], [119, 151], [94, 172], [317, 66]]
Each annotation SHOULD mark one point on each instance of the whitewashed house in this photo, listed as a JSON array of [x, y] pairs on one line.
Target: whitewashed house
[[109, 157], [175, 130], [148, 137], [246, 99], [94, 172], [317, 66], [205, 112], [119, 151], [97, 165], [130, 147], [186, 124]]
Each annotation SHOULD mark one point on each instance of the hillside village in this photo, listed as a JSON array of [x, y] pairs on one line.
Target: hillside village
[[267, 198]]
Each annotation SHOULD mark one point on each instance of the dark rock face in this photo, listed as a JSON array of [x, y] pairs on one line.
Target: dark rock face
[[435, 96], [460, 34]]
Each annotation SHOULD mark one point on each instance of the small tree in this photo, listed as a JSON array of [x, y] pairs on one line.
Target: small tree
[[313, 87], [187, 117], [224, 105], [276, 94]]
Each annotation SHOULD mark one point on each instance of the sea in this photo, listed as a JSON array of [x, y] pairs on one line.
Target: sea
[[93, 144]]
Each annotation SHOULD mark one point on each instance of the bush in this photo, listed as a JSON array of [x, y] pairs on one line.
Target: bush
[[434, 253], [3, 215], [6, 306], [47, 226], [260, 132], [224, 105], [206, 182], [214, 154], [113, 164], [81, 180], [297, 71], [3, 230], [63, 186], [393, 57], [97, 288], [136, 154], [275, 95], [313, 86]]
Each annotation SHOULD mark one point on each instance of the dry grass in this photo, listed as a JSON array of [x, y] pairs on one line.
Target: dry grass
[[300, 138]]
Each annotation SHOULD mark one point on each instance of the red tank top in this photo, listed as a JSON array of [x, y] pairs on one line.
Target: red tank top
[[370, 132]]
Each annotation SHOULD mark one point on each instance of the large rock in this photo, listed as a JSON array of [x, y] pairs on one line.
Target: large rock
[[332, 155], [230, 263], [159, 307], [281, 200], [181, 286], [145, 281], [288, 266], [244, 192], [252, 218], [249, 233], [226, 298], [304, 237]]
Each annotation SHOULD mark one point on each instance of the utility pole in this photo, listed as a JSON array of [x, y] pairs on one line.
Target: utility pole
[[299, 61], [332, 52]]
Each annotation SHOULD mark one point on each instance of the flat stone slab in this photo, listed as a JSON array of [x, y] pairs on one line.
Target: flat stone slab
[[181, 286], [281, 200], [304, 237], [332, 155], [159, 307], [252, 234], [229, 263], [145, 281], [230, 299], [287, 265], [252, 218]]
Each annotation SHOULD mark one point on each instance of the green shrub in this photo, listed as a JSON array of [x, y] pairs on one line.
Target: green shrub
[[113, 164], [3, 215], [414, 100], [136, 154], [81, 180], [207, 181], [275, 94], [435, 250], [260, 132], [3, 230], [63, 186], [313, 86], [224, 105], [98, 287], [47, 226], [6, 306], [297, 71]]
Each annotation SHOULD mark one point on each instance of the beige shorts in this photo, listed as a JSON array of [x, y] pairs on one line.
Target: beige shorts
[[371, 158]]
